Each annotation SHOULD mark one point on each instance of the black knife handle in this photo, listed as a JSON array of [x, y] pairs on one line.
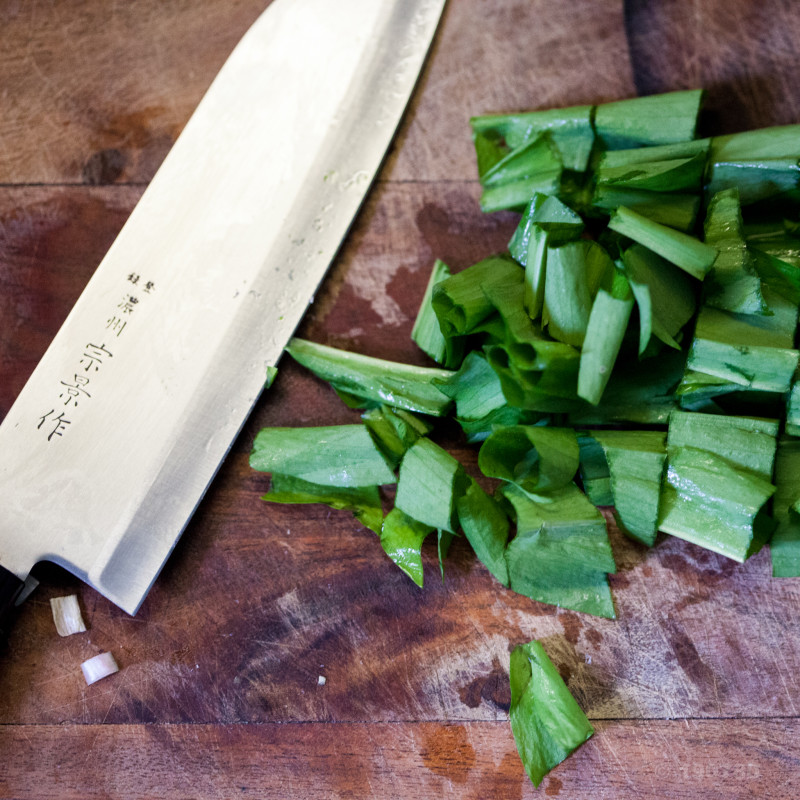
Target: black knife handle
[[10, 587]]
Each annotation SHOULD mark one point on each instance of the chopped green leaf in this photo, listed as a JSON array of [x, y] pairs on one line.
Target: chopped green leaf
[[398, 385], [570, 130], [561, 553], [486, 527], [430, 482], [546, 721], [664, 295], [652, 120], [608, 322], [733, 283], [686, 252], [636, 464], [334, 455], [363, 501], [426, 331], [537, 458], [532, 167], [401, 539], [785, 542], [575, 272]]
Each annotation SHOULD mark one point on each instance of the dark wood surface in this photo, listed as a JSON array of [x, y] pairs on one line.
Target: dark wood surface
[[694, 690]]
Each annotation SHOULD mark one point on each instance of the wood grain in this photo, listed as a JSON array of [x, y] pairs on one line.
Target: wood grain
[[715, 759], [692, 690]]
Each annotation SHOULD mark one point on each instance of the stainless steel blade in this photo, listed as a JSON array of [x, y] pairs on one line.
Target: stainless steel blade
[[120, 429]]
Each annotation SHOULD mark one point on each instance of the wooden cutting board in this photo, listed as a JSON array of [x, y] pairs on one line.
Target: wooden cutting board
[[280, 653]]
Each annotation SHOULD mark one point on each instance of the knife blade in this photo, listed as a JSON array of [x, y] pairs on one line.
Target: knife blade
[[114, 439]]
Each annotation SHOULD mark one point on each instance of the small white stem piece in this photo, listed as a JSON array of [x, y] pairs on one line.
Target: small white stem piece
[[67, 615], [100, 666]]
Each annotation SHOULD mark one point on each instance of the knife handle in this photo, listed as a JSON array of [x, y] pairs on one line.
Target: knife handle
[[10, 588]]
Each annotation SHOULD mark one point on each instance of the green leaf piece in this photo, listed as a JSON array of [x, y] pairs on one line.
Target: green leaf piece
[[636, 465], [532, 167], [546, 222], [653, 120], [426, 331], [608, 322], [611, 159], [713, 504], [793, 409], [546, 721], [785, 542], [677, 210], [363, 501], [779, 269], [475, 388], [486, 527], [575, 272], [664, 295], [733, 283], [745, 442], [674, 175], [686, 252], [751, 351], [594, 473], [756, 180], [394, 430], [335, 455], [430, 482], [642, 393], [443, 541], [569, 128], [718, 482], [561, 553], [538, 459], [383, 382], [401, 539], [461, 301]]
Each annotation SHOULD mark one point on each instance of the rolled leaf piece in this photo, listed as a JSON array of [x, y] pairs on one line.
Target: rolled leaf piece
[[560, 554], [486, 527], [538, 459], [546, 721], [653, 120], [399, 385], [426, 331], [608, 322], [733, 284], [461, 302], [636, 465], [401, 539], [334, 455], [363, 501], [430, 482], [785, 542], [686, 252]]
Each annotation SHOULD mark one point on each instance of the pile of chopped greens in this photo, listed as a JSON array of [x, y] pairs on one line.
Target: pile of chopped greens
[[634, 347]]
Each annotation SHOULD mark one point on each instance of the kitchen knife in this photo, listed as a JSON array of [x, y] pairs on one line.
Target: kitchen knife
[[121, 427]]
